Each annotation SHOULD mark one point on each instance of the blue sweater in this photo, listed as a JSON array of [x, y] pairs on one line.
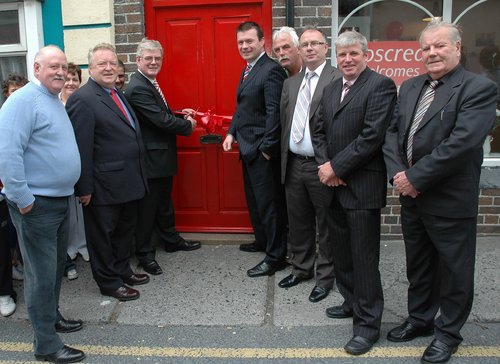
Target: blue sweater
[[38, 150]]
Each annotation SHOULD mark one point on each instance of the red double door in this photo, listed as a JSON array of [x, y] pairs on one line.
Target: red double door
[[201, 69]]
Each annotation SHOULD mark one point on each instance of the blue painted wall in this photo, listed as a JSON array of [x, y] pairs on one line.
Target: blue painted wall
[[52, 23]]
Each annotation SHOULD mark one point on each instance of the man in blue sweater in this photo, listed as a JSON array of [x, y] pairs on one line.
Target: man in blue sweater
[[39, 166]]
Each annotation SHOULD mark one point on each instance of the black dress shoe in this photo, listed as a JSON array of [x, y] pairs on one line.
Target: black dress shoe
[[184, 245], [136, 279], [438, 352], [151, 267], [358, 345], [407, 332], [252, 248], [338, 312], [318, 293], [65, 326], [123, 293], [265, 269], [63, 355], [291, 280]]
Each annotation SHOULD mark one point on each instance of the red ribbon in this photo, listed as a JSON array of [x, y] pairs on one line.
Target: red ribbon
[[209, 120]]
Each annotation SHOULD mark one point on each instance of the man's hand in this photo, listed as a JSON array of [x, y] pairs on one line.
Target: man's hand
[[227, 144], [328, 177], [190, 114], [403, 185], [25, 210], [85, 200]]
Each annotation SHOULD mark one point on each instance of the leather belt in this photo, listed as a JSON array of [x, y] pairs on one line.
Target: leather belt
[[301, 157]]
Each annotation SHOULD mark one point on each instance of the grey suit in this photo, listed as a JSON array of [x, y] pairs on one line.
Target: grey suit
[[353, 131], [439, 225], [307, 198]]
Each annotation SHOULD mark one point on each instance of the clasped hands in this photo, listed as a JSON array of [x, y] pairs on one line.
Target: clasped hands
[[403, 185], [328, 177]]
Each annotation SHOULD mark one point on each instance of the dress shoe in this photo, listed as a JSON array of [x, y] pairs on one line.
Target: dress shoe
[[63, 355], [136, 279], [318, 293], [407, 332], [358, 345], [438, 352], [265, 269], [251, 248], [338, 312], [184, 245], [151, 267], [123, 293], [291, 280], [65, 326]]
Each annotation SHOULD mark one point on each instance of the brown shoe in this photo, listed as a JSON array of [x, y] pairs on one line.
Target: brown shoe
[[136, 279], [123, 293]]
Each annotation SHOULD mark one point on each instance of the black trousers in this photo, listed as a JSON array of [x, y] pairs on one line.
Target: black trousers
[[440, 260]]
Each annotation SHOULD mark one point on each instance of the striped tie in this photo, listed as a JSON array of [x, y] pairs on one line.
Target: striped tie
[[157, 86], [301, 113], [345, 90], [422, 107], [247, 71]]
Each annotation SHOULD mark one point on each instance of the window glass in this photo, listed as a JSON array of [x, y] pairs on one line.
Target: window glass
[[9, 27], [14, 64]]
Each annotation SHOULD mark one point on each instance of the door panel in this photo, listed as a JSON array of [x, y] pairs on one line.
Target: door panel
[[201, 69]]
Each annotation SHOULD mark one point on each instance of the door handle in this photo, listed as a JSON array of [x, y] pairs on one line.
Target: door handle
[[211, 139]]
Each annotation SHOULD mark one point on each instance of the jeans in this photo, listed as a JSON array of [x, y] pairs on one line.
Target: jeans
[[43, 238]]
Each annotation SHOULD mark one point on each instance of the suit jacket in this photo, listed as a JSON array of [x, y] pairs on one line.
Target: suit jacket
[[111, 150], [256, 121], [447, 146], [159, 126], [353, 131], [289, 97]]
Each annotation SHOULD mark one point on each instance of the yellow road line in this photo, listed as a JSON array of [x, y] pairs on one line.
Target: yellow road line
[[257, 353]]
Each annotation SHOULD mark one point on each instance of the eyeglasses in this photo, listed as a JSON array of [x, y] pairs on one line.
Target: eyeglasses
[[151, 58], [313, 44], [104, 64]]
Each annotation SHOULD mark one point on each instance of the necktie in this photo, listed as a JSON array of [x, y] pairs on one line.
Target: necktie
[[345, 90], [157, 86], [115, 98], [422, 107], [247, 71], [302, 109]]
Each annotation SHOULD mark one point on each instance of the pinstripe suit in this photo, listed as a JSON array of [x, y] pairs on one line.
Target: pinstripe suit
[[256, 127], [307, 198], [353, 131]]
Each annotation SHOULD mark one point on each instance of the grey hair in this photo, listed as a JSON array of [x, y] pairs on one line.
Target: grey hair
[[437, 23], [352, 37], [287, 30], [99, 47], [148, 44]]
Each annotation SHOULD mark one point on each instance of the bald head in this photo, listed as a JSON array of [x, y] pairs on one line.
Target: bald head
[[51, 68]]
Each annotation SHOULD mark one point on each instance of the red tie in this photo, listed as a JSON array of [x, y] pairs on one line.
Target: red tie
[[115, 98]]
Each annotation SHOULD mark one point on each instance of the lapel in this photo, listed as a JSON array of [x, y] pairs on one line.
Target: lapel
[[145, 81], [293, 93], [326, 77], [355, 89], [444, 93], [413, 94], [251, 75], [106, 99]]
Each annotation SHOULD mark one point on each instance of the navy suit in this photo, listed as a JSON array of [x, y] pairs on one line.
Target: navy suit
[[256, 127], [113, 172], [159, 128], [353, 131], [439, 225]]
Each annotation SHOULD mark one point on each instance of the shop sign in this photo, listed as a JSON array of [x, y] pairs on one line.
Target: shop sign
[[397, 60]]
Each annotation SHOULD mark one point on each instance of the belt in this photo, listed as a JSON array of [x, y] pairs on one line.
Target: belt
[[301, 157]]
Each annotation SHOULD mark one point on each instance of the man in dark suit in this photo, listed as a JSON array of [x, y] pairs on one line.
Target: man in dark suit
[[355, 112], [159, 128], [256, 127], [433, 151], [307, 198], [113, 177]]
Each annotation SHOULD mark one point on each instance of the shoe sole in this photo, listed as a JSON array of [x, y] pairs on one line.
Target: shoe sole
[[76, 360], [122, 299], [69, 331]]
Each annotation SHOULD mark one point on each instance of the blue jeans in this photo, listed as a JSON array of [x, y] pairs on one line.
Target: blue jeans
[[43, 238]]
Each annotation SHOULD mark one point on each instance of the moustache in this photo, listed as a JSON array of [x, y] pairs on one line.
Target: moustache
[[59, 79], [284, 59]]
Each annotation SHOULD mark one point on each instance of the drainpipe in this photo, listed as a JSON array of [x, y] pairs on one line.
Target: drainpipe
[[290, 14]]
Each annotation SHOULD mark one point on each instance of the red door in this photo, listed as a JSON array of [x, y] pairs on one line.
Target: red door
[[201, 70]]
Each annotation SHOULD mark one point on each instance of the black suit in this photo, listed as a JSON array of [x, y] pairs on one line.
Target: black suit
[[307, 198], [256, 127], [354, 131], [439, 225], [113, 173], [159, 127]]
